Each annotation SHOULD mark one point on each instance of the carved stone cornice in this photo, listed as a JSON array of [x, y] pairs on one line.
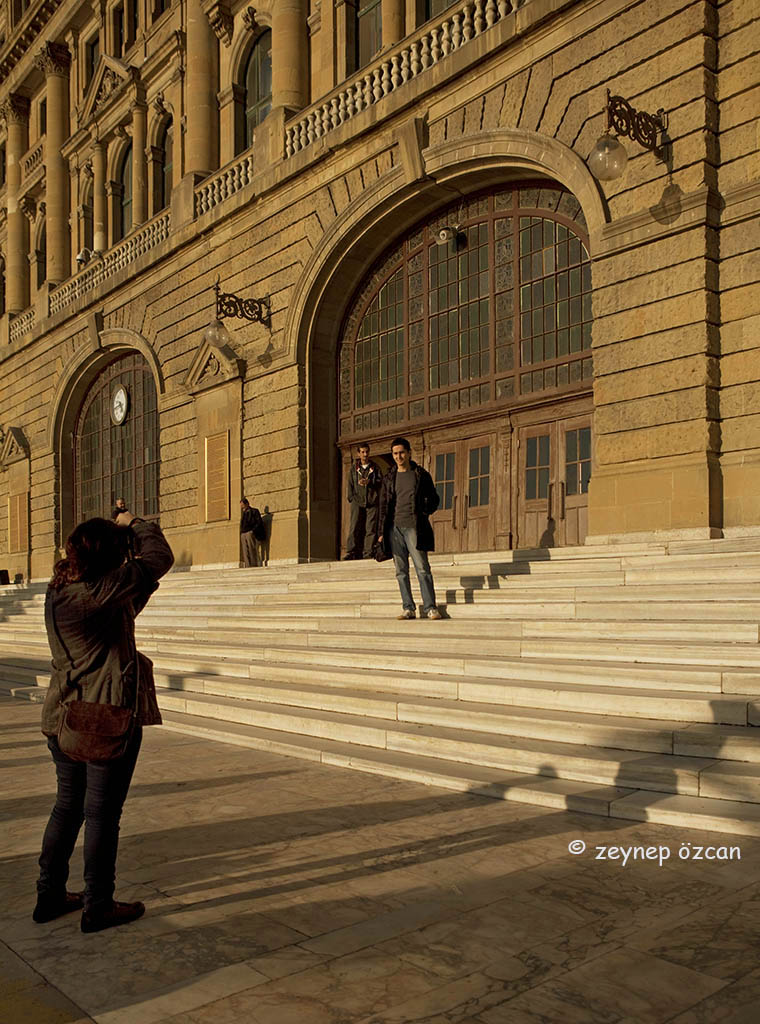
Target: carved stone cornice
[[220, 18], [15, 110], [54, 59]]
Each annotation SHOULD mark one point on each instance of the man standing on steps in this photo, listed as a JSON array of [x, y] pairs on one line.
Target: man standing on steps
[[364, 482], [407, 499], [251, 531]]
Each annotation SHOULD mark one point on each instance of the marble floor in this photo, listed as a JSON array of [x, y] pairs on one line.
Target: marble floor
[[280, 891]]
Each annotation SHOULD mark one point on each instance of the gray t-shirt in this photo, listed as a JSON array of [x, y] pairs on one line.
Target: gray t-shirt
[[404, 516]]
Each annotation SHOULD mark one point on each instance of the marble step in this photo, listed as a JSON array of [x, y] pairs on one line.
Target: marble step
[[700, 812], [431, 642], [597, 697], [376, 626], [494, 674], [581, 763]]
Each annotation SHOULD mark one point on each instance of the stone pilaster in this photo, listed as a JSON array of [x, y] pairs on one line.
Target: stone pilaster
[[55, 60], [99, 211], [289, 57], [15, 113], [139, 164], [201, 83], [393, 16]]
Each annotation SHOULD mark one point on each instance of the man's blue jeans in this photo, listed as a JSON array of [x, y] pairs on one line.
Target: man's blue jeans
[[95, 794], [404, 544]]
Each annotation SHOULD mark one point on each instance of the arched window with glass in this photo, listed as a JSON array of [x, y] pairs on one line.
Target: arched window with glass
[[124, 214], [116, 449], [496, 308], [257, 83]]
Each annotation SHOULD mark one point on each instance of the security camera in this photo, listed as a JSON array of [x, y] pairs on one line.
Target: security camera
[[84, 257], [445, 235]]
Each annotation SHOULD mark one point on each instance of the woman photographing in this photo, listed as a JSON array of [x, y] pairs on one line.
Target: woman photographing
[[90, 609]]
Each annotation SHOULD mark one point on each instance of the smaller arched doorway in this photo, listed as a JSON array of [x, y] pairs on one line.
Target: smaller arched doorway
[[116, 444]]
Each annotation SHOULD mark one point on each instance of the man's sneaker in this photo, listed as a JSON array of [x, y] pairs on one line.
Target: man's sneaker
[[433, 613], [116, 914], [49, 908], [407, 614]]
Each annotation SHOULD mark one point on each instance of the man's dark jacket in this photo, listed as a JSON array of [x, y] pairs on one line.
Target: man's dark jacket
[[426, 501], [366, 495], [251, 522]]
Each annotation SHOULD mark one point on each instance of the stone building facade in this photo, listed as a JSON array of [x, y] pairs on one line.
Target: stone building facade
[[401, 190]]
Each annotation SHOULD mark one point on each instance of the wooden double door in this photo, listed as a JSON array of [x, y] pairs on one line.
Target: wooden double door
[[517, 480], [553, 469], [464, 474]]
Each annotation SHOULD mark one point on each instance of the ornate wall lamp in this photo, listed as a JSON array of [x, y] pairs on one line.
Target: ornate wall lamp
[[608, 159], [255, 310]]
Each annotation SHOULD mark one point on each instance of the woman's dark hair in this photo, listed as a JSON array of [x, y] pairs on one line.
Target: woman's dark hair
[[93, 549]]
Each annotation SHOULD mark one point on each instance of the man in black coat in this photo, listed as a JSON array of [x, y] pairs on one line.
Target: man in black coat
[[407, 499], [251, 531], [364, 482]]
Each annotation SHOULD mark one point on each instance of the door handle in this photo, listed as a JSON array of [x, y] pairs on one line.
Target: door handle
[[562, 500], [454, 513], [549, 500], [466, 507]]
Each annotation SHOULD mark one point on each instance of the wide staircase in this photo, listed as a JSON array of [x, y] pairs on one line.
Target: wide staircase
[[621, 681]]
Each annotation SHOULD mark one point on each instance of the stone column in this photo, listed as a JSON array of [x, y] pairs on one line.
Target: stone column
[[99, 214], [289, 58], [393, 16], [201, 142], [54, 60], [231, 114], [15, 113], [139, 164]]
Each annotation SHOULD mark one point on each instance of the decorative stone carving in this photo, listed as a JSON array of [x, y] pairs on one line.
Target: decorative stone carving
[[249, 20], [15, 110], [214, 363], [220, 19], [54, 59], [14, 447], [108, 85], [28, 207]]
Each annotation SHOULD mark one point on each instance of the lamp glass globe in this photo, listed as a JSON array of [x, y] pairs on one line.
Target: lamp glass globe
[[608, 159]]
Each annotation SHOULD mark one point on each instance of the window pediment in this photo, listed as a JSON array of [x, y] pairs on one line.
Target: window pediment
[[212, 365], [111, 78], [14, 447]]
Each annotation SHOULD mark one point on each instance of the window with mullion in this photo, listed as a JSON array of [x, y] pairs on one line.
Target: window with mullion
[[258, 85], [470, 304]]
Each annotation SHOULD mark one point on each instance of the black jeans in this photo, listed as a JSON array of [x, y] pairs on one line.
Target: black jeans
[[95, 794]]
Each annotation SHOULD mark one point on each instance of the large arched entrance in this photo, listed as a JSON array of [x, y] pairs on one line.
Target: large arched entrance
[[116, 443], [472, 336]]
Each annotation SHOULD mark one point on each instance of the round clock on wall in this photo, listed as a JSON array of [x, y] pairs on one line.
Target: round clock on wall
[[119, 404]]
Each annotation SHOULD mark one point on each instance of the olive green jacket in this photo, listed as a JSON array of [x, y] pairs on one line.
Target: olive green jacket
[[91, 631]]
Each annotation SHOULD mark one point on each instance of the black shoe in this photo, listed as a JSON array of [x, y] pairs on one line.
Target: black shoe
[[116, 914], [350, 557], [49, 908]]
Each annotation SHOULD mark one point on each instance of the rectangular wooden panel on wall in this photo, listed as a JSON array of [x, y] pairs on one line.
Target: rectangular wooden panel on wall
[[218, 477], [18, 522]]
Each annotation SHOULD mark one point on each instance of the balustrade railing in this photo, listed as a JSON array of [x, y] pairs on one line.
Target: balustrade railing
[[224, 183], [465, 22], [32, 159], [102, 267], [21, 324]]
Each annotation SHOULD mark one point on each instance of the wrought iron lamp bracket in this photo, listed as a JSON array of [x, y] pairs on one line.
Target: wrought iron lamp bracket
[[646, 129], [255, 310]]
